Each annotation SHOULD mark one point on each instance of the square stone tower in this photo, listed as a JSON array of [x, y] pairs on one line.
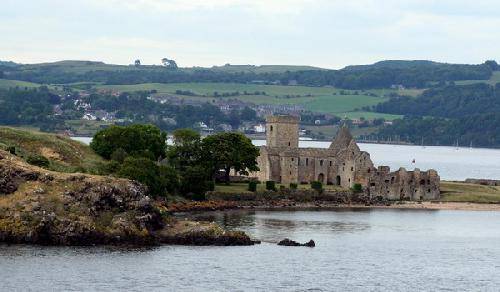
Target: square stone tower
[[282, 131]]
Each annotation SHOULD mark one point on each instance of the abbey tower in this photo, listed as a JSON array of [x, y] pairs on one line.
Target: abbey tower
[[282, 131]]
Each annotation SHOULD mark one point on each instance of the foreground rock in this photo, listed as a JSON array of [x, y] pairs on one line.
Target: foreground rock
[[289, 242], [43, 207]]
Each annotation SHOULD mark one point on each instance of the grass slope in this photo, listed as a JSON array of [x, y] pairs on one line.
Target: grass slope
[[474, 193], [495, 78], [6, 84], [64, 154]]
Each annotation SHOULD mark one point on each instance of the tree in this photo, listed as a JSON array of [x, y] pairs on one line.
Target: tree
[[229, 151], [248, 114], [492, 64], [186, 150], [136, 140], [158, 179], [171, 64]]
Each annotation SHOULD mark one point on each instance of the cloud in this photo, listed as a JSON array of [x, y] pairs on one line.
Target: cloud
[[327, 33]]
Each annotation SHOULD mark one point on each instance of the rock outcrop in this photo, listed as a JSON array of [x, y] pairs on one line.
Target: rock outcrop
[[43, 207], [289, 242]]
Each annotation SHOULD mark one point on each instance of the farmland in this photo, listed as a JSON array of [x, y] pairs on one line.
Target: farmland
[[317, 99]]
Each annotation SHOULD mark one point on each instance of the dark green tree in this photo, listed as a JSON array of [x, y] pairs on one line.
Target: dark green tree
[[136, 140], [229, 151]]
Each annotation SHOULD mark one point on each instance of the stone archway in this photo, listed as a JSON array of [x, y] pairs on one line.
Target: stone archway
[[321, 177], [338, 180]]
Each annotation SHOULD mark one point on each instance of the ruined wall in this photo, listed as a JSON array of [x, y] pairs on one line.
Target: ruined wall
[[405, 185]]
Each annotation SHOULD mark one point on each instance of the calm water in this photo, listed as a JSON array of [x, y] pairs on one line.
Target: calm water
[[366, 250], [450, 162]]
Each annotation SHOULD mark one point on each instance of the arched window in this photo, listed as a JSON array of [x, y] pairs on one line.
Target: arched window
[[271, 128]]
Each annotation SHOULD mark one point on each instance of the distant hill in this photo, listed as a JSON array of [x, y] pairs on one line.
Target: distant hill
[[395, 64], [8, 64], [384, 74]]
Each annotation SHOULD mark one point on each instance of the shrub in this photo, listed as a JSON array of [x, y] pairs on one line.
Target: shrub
[[357, 188], [270, 185], [38, 160], [119, 155], [317, 185], [12, 150], [252, 186], [293, 186]]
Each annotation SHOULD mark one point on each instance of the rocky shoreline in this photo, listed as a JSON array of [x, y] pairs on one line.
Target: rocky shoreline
[[38, 206], [206, 206]]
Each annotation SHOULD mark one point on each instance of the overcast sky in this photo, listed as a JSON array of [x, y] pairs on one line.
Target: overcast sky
[[325, 33]]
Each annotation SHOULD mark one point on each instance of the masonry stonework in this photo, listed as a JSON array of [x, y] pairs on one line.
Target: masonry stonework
[[343, 164]]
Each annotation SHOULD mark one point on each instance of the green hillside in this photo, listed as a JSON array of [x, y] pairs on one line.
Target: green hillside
[[63, 153], [5, 84], [318, 99]]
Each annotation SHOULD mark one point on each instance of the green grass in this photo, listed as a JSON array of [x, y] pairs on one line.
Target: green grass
[[64, 154], [5, 84], [371, 115], [474, 193], [340, 104], [495, 78], [243, 187]]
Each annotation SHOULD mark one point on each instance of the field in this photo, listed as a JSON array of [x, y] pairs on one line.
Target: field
[[462, 192], [318, 99], [5, 84], [495, 78]]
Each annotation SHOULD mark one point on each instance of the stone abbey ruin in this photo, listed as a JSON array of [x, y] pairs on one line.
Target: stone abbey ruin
[[343, 164]]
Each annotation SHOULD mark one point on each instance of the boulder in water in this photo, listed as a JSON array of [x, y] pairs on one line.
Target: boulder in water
[[289, 242]]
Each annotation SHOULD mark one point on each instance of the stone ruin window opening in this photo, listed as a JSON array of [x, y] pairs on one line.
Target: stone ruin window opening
[[321, 162], [307, 161], [369, 170], [422, 182], [271, 128], [289, 144], [352, 168], [330, 163]]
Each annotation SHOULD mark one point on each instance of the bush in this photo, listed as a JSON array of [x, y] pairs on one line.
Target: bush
[[119, 155], [38, 160], [293, 186], [194, 181], [270, 185], [317, 185], [252, 186], [12, 150], [357, 188]]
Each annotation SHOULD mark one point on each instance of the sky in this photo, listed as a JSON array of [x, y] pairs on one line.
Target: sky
[[323, 33]]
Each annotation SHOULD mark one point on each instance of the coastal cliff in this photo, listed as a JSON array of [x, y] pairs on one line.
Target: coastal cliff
[[39, 206]]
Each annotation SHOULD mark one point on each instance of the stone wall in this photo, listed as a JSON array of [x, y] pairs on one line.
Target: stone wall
[[405, 185]]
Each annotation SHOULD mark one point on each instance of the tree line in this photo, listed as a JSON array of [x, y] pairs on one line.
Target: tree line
[[467, 114], [189, 167], [417, 75]]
